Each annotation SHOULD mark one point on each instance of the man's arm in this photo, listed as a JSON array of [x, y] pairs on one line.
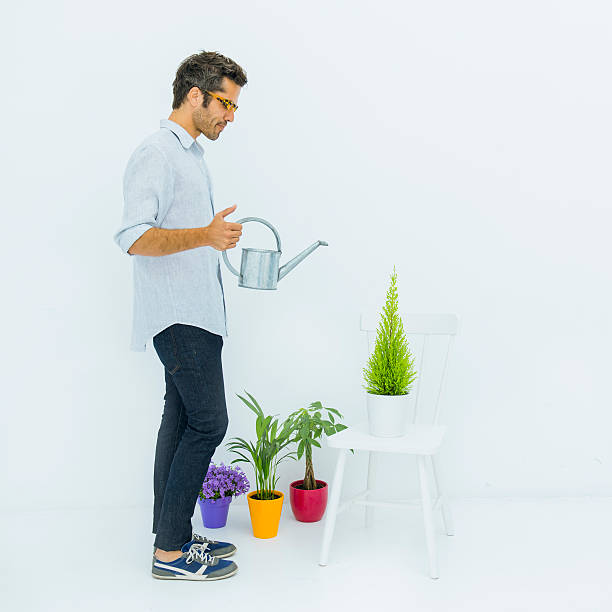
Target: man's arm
[[220, 235], [157, 241]]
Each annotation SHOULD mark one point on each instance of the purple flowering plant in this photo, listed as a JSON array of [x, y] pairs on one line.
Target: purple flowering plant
[[223, 481]]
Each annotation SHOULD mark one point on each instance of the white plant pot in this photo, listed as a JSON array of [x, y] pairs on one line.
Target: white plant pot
[[387, 415]]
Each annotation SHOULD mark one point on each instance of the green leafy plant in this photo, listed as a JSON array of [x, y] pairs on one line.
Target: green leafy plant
[[308, 425], [264, 454], [390, 368]]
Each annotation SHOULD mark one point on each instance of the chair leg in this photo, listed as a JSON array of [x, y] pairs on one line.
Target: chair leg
[[446, 512], [428, 518], [369, 510], [332, 509]]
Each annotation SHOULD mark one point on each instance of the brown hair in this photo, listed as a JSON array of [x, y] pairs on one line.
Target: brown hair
[[205, 70]]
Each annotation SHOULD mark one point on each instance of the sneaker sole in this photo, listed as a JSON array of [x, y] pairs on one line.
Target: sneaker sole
[[224, 556], [193, 577]]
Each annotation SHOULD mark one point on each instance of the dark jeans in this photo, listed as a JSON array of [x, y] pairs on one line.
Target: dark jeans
[[193, 425]]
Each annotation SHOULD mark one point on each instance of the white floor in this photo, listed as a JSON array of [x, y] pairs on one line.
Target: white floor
[[507, 555]]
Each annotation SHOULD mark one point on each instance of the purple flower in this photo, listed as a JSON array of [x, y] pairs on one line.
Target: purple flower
[[223, 481]]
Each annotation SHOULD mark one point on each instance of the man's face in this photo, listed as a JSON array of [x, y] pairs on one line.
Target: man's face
[[211, 120]]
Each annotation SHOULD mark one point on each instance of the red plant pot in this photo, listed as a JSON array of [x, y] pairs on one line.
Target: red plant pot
[[308, 506]]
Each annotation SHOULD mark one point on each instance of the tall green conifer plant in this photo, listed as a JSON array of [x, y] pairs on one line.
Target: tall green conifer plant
[[390, 368]]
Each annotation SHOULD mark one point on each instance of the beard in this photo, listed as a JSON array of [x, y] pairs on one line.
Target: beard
[[207, 124]]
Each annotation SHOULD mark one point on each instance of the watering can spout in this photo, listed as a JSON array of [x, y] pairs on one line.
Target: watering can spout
[[284, 270]]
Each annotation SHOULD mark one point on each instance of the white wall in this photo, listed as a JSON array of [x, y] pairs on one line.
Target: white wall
[[468, 144]]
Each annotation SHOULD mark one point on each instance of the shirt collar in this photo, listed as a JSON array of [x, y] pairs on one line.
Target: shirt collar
[[181, 133]]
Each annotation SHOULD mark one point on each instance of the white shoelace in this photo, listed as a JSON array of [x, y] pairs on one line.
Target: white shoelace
[[196, 553]]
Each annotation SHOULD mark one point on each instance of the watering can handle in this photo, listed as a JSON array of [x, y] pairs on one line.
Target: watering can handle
[[278, 241]]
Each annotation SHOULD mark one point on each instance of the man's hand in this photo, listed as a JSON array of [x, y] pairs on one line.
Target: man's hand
[[223, 235]]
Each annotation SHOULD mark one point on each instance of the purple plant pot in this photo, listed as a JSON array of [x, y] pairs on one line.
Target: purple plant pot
[[214, 511]]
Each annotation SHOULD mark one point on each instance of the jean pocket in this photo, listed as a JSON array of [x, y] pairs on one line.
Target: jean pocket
[[174, 369], [167, 351]]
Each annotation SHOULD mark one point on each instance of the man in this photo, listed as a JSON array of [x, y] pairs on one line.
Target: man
[[170, 228]]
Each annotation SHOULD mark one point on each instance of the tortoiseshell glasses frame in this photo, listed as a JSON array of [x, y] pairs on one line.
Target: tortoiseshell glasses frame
[[229, 105]]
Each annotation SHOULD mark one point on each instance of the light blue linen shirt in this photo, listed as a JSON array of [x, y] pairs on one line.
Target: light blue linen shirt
[[166, 184]]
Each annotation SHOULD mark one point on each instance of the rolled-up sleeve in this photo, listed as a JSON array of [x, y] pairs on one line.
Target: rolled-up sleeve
[[147, 194]]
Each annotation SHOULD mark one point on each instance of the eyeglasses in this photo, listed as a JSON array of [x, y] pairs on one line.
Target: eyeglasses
[[229, 105]]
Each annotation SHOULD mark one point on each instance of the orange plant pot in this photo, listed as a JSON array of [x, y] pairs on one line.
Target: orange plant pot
[[265, 514]]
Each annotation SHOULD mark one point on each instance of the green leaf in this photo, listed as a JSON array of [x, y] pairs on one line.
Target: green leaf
[[290, 455], [259, 410], [243, 460], [251, 406], [266, 425]]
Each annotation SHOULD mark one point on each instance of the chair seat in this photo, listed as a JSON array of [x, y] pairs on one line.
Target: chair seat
[[418, 440]]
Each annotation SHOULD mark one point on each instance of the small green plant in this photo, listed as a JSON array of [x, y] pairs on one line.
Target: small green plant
[[308, 425], [264, 454], [390, 368]]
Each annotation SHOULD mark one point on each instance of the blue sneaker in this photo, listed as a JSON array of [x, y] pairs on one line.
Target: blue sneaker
[[220, 550], [194, 564]]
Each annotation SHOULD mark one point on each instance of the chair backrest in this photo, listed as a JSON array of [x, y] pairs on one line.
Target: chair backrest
[[430, 340]]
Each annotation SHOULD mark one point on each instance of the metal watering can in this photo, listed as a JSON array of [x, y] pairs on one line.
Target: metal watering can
[[259, 268]]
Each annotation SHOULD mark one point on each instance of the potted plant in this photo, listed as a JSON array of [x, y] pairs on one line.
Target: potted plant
[[221, 485], [390, 372], [308, 496], [265, 503]]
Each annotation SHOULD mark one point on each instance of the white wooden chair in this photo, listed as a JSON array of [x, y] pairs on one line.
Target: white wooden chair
[[422, 439]]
